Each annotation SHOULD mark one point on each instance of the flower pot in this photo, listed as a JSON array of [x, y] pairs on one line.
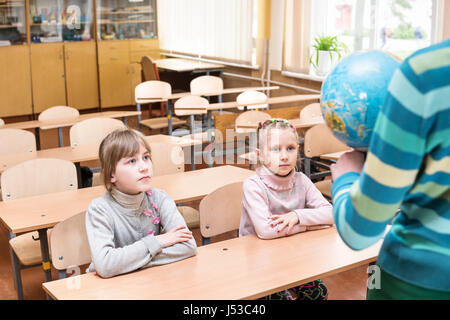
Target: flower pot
[[327, 61]]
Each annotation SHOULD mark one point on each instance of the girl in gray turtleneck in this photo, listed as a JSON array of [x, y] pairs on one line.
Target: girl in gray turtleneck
[[133, 226]]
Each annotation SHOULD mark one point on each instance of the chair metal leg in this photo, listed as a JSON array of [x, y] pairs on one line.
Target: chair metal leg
[[15, 263], [205, 241]]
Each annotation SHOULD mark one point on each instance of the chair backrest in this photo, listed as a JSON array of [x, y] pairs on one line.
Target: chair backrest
[[93, 130], [69, 245], [152, 89], [220, 211], [58, 113], [320, 140], [205, 85], [189, 102], [2, 123], [167, 158], [311, 113], [16, 141], [38, 176], [252, 96], [149, 69], [250, 118]]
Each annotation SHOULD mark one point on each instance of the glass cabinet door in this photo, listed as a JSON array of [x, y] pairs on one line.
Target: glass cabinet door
[[61, 20], [126, 19], [12, 22]]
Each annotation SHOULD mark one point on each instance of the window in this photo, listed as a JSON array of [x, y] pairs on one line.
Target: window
[[219, 29], [397, 26]]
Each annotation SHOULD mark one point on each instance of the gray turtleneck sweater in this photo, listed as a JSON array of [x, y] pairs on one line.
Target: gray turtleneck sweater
[[121, 230]]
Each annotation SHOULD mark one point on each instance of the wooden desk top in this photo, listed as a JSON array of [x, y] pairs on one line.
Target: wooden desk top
[[83, 152], [240, 268], [275, 100], [182, 65], [214, 93], [334, 155], [44, 211], [295, 122], [59, 124]]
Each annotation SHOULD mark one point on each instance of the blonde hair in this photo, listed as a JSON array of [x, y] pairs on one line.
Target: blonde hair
[[118, 144]]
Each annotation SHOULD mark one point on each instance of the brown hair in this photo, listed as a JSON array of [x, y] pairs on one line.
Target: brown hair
[[118, 144]]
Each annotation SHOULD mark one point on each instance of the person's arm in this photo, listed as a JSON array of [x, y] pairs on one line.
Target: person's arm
[[318, 210], [255, 203], [364, 203], [109, 260], [171, 218]]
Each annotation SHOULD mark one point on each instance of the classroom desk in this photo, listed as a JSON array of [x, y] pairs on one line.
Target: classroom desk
[[83, 152], [240, 268], [45, 125], [334, 155], [184, 65], [41, 212], [235, 104], [184, 94]]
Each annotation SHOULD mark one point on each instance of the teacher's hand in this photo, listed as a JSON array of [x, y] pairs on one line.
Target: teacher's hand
[[347, 162]]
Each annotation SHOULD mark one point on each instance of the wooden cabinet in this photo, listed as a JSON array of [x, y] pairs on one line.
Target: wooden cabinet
[[81, 74], [15, 81], [47, 70], [64, 74], [120, 69], [62, 52]]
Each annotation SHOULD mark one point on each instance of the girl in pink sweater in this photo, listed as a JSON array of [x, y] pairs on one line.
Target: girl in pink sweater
[[278, 202]]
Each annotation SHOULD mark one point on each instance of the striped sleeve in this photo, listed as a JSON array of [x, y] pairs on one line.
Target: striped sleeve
[[364, 204]]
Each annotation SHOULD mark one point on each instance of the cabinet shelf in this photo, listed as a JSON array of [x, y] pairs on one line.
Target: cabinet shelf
[[10, 26], [128, 21]]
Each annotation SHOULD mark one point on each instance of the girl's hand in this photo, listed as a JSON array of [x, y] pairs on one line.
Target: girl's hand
[[178, 234], [288, 220], [347, 162]]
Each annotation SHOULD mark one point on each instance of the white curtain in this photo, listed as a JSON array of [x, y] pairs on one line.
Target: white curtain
[[220, 29], [297, 35]]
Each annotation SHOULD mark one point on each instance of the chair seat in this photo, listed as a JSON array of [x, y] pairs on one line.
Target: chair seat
[[324, 187], [27, 249], [191, 216], [161, 123]]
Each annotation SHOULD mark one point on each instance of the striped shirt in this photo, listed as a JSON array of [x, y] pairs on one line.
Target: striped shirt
[[407, 168]]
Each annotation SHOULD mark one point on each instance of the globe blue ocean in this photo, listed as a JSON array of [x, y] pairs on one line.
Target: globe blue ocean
[[353, 94]]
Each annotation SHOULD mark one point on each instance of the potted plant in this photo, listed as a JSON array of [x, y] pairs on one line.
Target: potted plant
[[327, 52]]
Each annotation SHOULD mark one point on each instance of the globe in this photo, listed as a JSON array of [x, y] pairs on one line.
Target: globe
[[353, 93]]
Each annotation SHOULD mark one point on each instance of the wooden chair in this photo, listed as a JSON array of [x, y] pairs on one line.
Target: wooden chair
[[311, 114], [93, 130], [69, 245], [149, 72], [248, 121], [154, 89], [16, 141], [169, 159], [32, 178], [246, 124], [180, 110], [59, 113], [320, 140], [205, 85], [254, 99], [220, 211]]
